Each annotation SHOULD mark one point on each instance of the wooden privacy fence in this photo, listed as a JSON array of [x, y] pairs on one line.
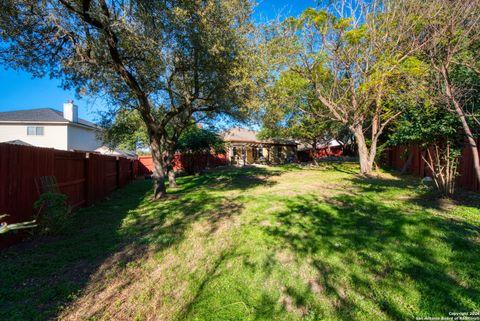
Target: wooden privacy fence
[[395, 158], [185, 162], [84, 177], [307, 155]]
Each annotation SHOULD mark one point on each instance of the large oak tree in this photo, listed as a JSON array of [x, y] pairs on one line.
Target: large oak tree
[[169, 60]]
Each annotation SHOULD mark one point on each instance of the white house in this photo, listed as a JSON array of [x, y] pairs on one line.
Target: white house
[[47, 127]]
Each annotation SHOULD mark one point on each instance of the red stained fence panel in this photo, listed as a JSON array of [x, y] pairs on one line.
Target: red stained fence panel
[[85, 178], [104, 175], [145, 165], [195, 163], [395, 158], [307, 155], [184, 162], [69, 169]]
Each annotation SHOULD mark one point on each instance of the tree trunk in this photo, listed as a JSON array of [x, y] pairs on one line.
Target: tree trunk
[[471, 140], [172, 182], [159, 190], [466, 128], [363, 154], [158, 176], [168, 158], [408, 163], [314, 152]]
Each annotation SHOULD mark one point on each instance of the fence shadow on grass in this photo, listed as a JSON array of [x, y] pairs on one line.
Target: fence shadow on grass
[[40, 277], [361, 247]]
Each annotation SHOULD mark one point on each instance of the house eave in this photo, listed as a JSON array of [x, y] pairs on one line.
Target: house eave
[[260, 142], [36, 122]]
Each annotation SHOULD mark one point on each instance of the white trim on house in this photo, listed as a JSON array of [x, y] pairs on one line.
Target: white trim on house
[[47, 123]]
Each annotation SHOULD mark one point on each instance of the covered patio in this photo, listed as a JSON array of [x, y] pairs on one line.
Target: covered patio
[[244, 148]]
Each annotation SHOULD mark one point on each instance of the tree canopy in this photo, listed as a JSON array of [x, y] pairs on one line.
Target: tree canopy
[[355, 58], [169, 60], [199, 140], [294, 112], [346, 66]]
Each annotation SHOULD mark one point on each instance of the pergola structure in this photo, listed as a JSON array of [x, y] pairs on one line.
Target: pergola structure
[[244, 153], [246, 148]]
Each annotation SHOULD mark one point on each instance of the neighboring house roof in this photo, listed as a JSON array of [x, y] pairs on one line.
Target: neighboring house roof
[[243, 135], [17, 142], [105, 150], [331, 143], [40, 115]]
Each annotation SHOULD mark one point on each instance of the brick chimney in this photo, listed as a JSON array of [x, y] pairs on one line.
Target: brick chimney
[[70, 111]]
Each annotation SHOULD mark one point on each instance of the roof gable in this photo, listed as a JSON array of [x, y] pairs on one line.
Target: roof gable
[[238, 134]]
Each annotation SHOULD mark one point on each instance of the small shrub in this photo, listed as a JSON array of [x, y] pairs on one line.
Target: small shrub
[[54, 212]]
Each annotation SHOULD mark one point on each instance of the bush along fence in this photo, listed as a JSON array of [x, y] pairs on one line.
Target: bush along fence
[[189, 163], [397, 157], [85, 178]]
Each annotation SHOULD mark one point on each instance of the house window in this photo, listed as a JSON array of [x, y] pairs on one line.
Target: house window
[[34, 131], [278, 150], [257, 152]]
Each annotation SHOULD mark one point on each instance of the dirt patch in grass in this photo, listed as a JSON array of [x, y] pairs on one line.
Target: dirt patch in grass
[[285, 257], [315, 286]]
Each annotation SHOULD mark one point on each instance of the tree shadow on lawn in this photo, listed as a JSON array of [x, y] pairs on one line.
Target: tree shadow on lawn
[[227, 179], [372, 258], [425, 196], [40, 277], [344, 167]]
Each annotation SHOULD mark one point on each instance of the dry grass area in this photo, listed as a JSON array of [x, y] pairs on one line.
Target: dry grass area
[[281, 243]]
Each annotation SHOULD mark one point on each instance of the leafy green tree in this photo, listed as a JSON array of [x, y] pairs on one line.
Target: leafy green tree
[[200, 141], [452, 49], [357, 58], [292, 111], [436, 131], [169, 60], [126, 130]]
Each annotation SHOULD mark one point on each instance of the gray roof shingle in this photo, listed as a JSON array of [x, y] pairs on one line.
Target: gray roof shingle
[[39, 115], [238, 134]]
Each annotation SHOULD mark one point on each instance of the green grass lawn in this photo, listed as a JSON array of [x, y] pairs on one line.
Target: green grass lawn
[[278, 243]]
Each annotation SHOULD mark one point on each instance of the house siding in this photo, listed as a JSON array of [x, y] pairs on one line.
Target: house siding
[[54, 136], [80, 138], [272, 153]]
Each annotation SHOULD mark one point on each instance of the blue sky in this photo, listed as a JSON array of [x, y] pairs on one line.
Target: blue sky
[[18, 90], [271, 9]]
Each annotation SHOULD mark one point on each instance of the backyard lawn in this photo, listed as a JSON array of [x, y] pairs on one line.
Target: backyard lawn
[[280, 243]]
